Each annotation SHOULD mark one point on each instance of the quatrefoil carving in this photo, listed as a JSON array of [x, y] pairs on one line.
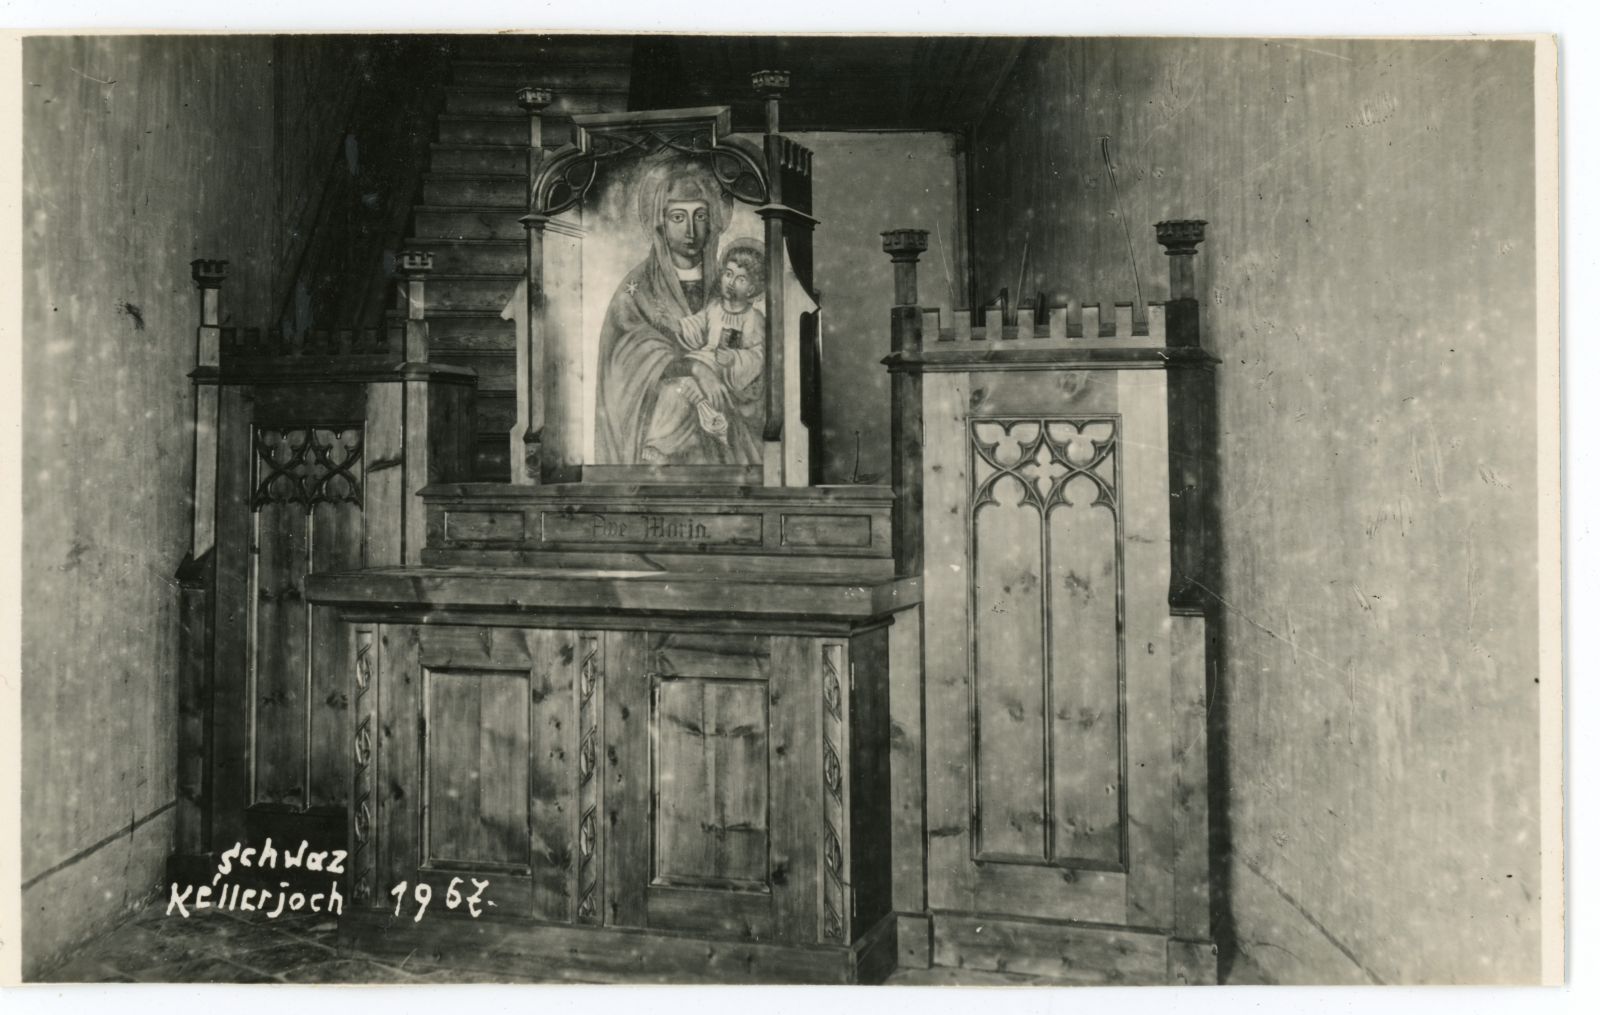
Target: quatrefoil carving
[[1037, 461]]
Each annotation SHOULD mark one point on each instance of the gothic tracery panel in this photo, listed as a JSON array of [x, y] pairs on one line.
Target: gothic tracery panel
[[1046, 588], [306, 507]]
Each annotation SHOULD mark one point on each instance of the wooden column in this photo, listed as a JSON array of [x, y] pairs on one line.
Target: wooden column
[[1192, 426], [1182, 237], [414, 268], [197, 578], [771, 85], [527, 435], [1191, 436], [208, 276], [904, 246]]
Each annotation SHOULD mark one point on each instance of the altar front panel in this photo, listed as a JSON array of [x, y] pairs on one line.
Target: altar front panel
[[713, 779], [475, 774]]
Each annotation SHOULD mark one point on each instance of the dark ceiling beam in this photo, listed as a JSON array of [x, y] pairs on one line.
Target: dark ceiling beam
[[839, 82]]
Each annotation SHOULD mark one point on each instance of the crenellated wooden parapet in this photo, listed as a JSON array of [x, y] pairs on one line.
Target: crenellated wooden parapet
[[1069, 334], [245, 353], [1066, 320], [241, 345], [1051, 320]]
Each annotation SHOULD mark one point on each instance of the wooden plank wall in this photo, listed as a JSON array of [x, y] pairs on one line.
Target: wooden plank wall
[[112, 122], [1401, 637]]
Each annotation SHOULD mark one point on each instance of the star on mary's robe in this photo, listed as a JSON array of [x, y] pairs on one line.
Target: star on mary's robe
[[632, 288]]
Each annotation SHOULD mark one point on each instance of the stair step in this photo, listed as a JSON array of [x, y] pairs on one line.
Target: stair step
[[489, 129], [471, 330], [555, 74], [501, 100], [469, 292], [478, 158], [497, 371], [457, 222], [481, 190], [483, 129], [474, 257], [476, 191]]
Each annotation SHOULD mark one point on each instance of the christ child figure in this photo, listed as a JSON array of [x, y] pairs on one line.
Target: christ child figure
[[725, 352]]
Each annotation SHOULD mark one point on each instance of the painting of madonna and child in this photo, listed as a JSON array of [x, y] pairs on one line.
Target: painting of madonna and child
[[675, 279]]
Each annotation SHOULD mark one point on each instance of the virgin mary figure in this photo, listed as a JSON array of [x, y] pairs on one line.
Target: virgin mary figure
[[683, 211]]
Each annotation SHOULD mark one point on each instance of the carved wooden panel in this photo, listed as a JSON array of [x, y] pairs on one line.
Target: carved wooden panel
[[476, 768], [502, 784], [591, 678], [714, 784], [1060, 478], [710, 777], [364, 774], [306, 502], [836, 793], [1046, 588]]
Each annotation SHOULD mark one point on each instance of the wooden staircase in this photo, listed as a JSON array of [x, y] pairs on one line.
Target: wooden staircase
[[475, 191]]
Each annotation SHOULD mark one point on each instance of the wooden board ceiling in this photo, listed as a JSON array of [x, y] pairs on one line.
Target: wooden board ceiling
[[837, 82]]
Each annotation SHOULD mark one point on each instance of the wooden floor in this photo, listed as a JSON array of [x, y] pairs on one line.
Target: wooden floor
[[229, 948]]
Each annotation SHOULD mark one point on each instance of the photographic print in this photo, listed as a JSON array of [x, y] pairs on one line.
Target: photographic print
[[755, 509]]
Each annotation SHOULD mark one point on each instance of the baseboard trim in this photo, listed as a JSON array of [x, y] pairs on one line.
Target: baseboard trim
[[619, 954], [1283, 940], [1069, 952], [88, 851]]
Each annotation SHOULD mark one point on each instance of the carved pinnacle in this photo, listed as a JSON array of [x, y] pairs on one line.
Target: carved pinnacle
[[770, 84], [905, 244], [415, 262], [208, 274], [1181, 236], [533, 98]]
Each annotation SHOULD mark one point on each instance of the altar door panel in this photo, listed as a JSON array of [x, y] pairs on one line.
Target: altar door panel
[[706, 765], [710, 771], [1037, 600], [477, 770], [496, 776]]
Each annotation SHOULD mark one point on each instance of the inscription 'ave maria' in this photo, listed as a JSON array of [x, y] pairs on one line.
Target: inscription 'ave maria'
[[650, 526], [642, 527]]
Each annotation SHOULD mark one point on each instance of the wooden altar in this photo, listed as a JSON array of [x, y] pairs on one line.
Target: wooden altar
[[657, 775]]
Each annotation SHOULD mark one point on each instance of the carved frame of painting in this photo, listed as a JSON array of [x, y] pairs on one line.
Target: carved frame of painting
[[650, 296]]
